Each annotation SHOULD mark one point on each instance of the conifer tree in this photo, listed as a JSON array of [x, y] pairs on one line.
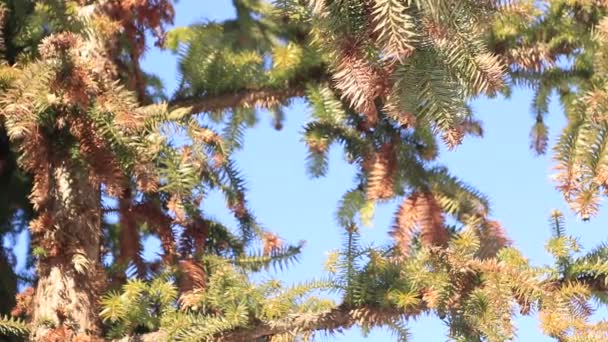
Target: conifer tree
[[558, 47], [15, 210], [89, 137]]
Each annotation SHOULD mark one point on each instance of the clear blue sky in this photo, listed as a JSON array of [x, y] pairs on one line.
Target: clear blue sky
[[298, 208]]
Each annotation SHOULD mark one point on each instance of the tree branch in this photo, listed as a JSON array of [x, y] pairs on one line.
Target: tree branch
[[245, 98], [335, 320], [260, 97], [156, 336]]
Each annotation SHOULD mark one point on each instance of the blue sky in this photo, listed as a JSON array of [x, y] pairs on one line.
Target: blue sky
[[288, 202]]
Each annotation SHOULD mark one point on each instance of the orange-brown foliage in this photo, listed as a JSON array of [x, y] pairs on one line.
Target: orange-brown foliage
[[381, 179], [419, 212]]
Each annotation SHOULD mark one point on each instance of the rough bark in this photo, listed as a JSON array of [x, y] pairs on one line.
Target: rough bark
[[337, 319], [156, 336], [71, 274]]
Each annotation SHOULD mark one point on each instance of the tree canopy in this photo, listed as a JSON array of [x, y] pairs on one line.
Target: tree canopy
[[95, 156]]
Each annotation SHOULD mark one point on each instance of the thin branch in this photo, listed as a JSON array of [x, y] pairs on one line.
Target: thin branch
[[156, 336], [261, 97], [336, 319], [245, 98]]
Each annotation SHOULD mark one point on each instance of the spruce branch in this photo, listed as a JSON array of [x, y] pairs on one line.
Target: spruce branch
[[265, 97], [334, 320]]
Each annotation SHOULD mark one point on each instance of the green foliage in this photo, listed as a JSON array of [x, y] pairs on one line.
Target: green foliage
[[353, 204], [384, 80], [558, 47], [280, 258], [12, 326], [229, 301], [139, 306]]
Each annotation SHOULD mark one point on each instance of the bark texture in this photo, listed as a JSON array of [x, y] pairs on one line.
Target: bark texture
[[71, 274]]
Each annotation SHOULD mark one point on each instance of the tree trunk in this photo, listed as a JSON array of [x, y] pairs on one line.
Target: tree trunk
[[8, 283], [70, 274]]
